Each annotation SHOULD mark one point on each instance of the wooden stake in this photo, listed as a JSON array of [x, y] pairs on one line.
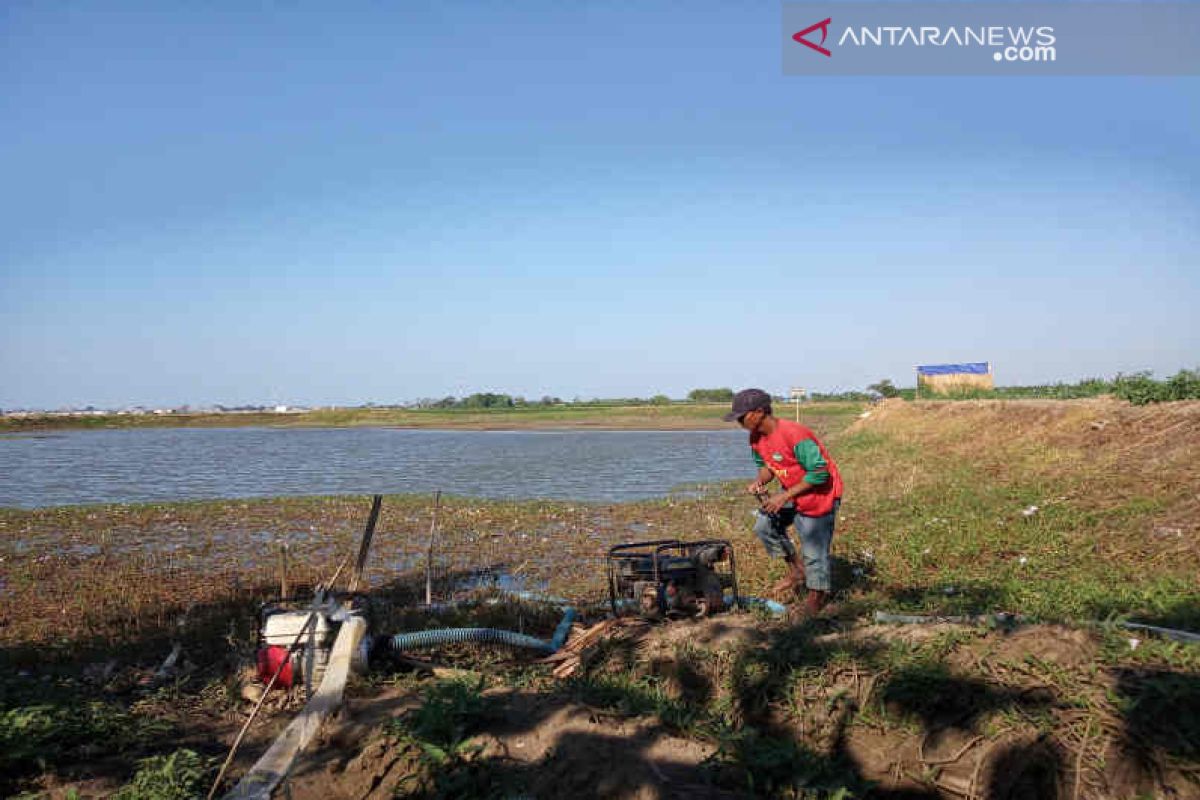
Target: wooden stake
[[437, 503], [365, 546], [283, 571]]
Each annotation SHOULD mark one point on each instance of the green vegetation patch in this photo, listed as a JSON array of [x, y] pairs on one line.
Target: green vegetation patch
[[181, 775], [63, 729]]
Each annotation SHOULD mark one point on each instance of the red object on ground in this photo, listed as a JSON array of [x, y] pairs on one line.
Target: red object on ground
[[269, 659]]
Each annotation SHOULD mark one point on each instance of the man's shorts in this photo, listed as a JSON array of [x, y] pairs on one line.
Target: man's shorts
[[816, 537]]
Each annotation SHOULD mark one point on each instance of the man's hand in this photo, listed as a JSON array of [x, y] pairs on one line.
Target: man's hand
[[775, 502], [755, 488]]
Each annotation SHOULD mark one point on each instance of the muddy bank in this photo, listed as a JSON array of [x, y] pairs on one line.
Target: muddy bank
[[737, 706]]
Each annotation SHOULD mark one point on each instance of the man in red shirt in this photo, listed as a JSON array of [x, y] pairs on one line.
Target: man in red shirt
[[811, 492]]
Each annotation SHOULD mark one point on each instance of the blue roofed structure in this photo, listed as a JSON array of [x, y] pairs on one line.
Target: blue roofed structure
[[972, 368], [948, 378]]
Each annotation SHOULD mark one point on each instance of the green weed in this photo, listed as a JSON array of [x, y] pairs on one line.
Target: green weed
[[182, 775], [774, 766], [441, 732], [631, 694], [450, 713], [36, 737]]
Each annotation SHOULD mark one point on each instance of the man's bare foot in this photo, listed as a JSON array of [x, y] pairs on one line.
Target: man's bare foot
[[816, 601], [785, 585], [815, 606], [791, 584]]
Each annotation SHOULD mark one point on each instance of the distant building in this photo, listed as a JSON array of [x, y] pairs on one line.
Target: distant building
[[948, 378]]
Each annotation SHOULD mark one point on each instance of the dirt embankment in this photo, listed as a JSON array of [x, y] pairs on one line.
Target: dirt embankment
[[1158, 443], [744, 708], [1099, 454]]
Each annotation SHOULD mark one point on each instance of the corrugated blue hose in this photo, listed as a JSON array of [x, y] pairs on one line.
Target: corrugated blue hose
[[563, 630], [419, 639]]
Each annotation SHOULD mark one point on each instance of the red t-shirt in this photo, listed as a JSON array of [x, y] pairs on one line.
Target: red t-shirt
[[793, 452]]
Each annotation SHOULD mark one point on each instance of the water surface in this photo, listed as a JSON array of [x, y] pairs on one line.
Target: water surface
[[163, 464]]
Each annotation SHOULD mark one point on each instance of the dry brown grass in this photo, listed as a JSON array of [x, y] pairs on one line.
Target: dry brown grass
[[1102, 452], [948, 384]]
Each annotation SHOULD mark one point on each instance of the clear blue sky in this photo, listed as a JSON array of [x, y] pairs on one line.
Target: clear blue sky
[[349, 203]]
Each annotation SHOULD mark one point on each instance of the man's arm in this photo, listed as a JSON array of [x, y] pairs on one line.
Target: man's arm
[[763, 477], [816, 468]]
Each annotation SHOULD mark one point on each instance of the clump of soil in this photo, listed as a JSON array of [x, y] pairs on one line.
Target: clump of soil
[[1069, 649]]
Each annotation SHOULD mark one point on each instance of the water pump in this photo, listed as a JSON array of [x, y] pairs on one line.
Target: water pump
[[299, 649], [668, 577], [307, 660]]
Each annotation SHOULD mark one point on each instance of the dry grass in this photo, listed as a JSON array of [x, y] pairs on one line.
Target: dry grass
[[948, 384], [1096, 454]]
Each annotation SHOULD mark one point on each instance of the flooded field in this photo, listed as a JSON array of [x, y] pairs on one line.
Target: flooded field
[[152, 465]]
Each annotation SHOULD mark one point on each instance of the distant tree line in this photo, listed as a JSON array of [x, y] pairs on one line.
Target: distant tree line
[[723, 395], [1138, 388], [487, 400]]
